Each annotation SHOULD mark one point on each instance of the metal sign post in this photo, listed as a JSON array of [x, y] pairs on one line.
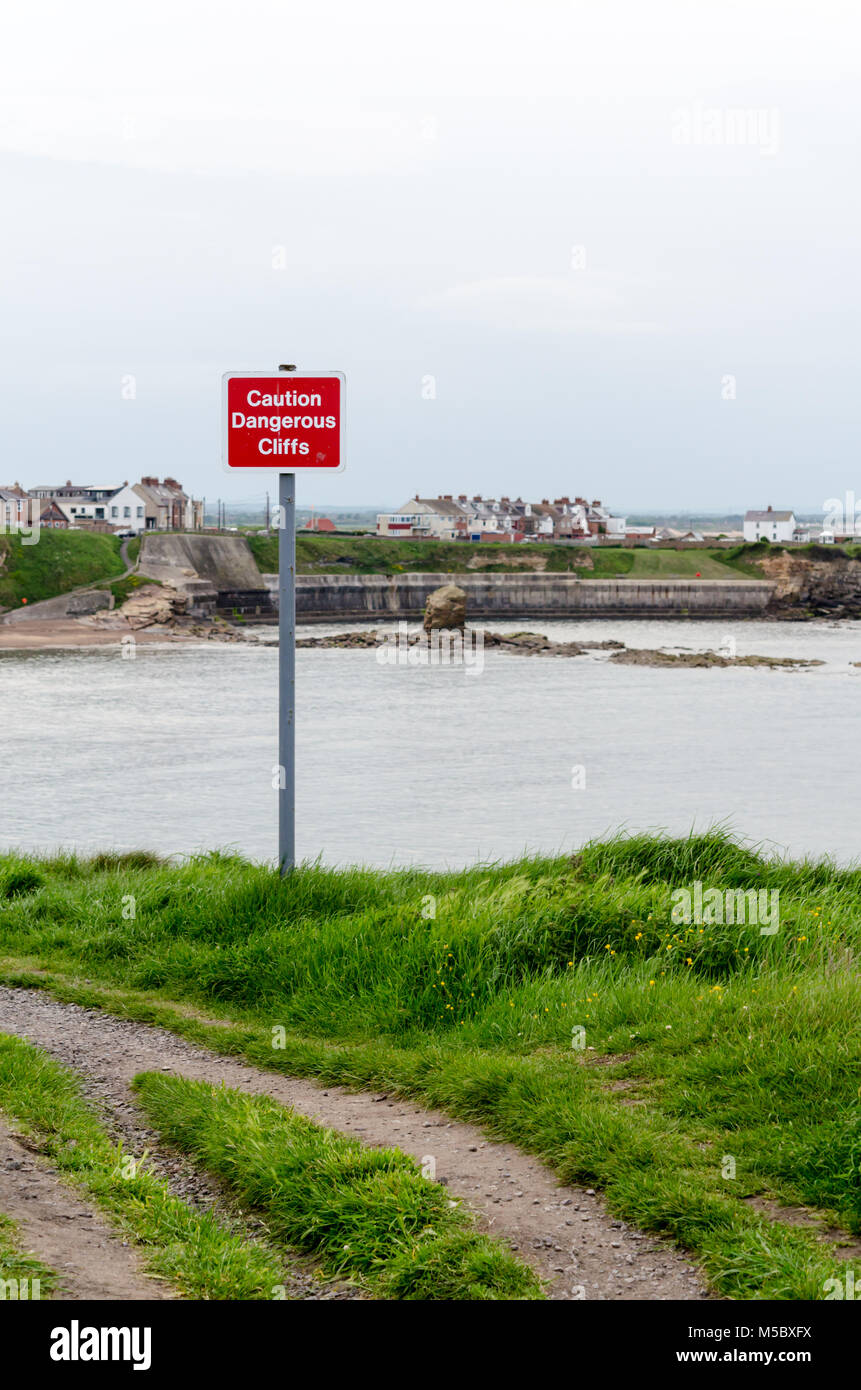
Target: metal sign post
[[266, 421], [287, 672]]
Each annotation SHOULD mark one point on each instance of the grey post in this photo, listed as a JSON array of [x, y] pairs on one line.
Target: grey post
[[287, 671]]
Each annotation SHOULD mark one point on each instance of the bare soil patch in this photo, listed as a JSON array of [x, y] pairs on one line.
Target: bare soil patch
[[68, 1235]]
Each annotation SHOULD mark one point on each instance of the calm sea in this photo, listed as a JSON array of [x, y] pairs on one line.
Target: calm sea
[[175, 750]]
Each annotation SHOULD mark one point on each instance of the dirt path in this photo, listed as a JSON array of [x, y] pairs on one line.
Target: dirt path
[[69, 1236], [564, 1232]]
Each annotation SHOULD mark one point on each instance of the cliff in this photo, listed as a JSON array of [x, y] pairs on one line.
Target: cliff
[[815, 582]]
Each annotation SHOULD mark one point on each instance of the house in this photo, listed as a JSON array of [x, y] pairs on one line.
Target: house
[[486, 520], [87, 492], [769, 526], [53, 516], [319, 523], [167, 507], [437, 518], [125, 510], [601, 522], [503, 519], [15, 508]]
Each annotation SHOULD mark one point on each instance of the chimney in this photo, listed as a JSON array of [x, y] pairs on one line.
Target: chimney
[[477, 497], [596, 501], [463, 497], [768, 508], [447, 497]]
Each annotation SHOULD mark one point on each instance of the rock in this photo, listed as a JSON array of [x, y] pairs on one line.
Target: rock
[[154, 603], [644, 656], [445, 608], [91, 601], [820, 580]]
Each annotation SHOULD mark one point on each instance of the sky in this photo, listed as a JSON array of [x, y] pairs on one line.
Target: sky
[[605, 249]]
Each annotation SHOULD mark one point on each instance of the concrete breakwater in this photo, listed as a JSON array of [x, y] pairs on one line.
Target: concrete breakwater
[[218, 572], [339, 598]]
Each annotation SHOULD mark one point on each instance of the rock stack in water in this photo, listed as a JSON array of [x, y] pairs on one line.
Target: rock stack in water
[[445, 608]]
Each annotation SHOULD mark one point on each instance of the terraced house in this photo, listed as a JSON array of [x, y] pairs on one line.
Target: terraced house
[[477, 518]]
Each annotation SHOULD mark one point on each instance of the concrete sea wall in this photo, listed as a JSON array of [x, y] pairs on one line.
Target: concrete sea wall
[[338, 598]]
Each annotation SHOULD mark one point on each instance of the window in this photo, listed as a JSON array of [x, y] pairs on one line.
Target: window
[[115, 511], [127, 511], [140, 511]]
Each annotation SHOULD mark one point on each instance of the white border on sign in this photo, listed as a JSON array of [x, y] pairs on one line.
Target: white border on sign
[[286, 463]]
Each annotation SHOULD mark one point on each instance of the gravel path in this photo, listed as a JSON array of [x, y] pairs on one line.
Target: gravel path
[[563, 1232]]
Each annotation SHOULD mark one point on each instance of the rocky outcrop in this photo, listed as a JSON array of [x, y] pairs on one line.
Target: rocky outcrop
[[445, 608], [153, 604], [645, 656], [536, 644], [816, 582]]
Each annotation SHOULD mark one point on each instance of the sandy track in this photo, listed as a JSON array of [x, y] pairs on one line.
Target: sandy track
[[563, 1232], [69, 1236]]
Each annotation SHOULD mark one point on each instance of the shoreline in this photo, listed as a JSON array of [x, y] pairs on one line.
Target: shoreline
[[50, 634]]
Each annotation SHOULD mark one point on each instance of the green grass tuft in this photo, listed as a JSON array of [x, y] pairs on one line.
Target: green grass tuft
[[366, 1212]]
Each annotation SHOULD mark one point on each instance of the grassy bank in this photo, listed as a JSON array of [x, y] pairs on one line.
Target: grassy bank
[[372, 555], [59, 561], [695, 1072]]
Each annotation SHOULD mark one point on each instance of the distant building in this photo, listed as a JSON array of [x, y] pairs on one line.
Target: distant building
[[503, 519], [53, 516], [125, 509], [15, 509], [439, 518], [167, 507], [319, 523], [148, 505], [769, 526]]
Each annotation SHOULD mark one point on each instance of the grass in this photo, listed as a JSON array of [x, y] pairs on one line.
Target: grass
[[59, 561], [465, 990], [381, 555], [367, 1213], [191, 1249], [18, 1264], [644, 562], [373, 555], [123, 589]]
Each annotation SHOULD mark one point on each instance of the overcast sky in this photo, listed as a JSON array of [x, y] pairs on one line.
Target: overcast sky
[[528, 233]]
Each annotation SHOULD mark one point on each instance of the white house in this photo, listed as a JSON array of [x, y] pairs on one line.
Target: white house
[[769, 526], [441, 518], [125, 510]]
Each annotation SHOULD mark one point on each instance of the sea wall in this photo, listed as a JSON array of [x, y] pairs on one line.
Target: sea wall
[[225, 563], [335, 598]]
